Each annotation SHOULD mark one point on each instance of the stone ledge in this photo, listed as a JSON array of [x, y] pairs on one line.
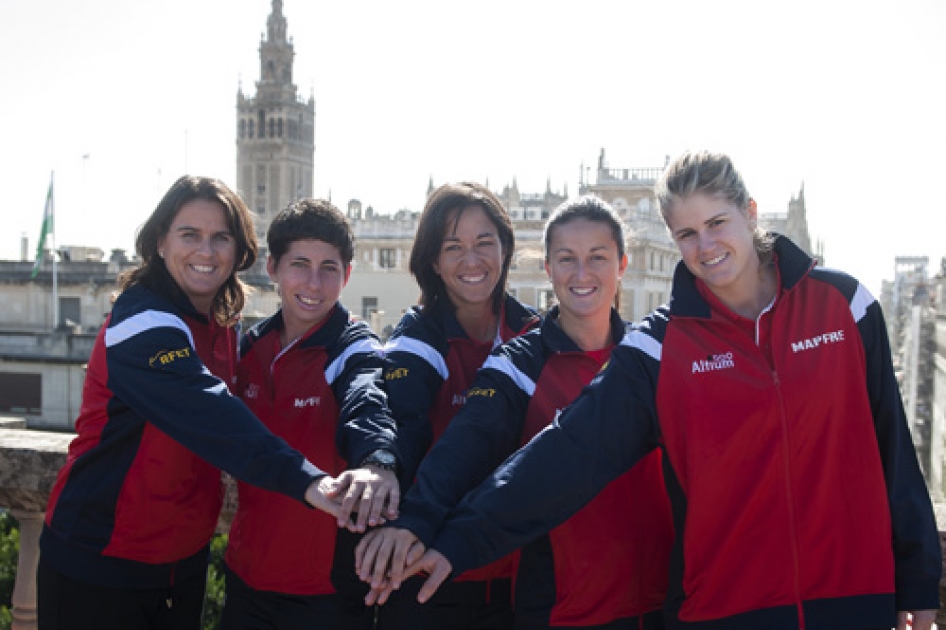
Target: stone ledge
[[31, 459], [29, 462], [7, 422]]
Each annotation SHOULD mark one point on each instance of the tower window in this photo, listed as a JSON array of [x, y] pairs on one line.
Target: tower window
[[272, 127], [279, 129], [242, 129], [250, 130]]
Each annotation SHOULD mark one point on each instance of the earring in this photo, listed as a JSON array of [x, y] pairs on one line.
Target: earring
[[161, 254]]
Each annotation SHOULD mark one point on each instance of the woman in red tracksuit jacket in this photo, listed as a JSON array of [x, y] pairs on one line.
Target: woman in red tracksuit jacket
[[132, 511], [605, 567], [797, 497], [460, 258], [312, 374]]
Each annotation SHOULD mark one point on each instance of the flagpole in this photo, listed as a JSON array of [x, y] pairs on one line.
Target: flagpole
[[52, 235]]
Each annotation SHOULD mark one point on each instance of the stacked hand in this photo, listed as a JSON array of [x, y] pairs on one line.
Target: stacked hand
[[386, 557], [372, 492], [917, 620]]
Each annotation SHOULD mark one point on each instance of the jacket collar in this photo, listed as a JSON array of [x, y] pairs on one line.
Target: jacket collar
[[686, 301], [320, 336], [515, 318], [556, 340]]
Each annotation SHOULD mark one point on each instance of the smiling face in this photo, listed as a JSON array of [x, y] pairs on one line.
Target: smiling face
[[199, 251], [310, 276], [585, 266], [716, 242], [471, 259]]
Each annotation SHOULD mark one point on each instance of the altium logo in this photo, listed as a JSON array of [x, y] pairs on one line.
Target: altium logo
[[818, 340], [714, 362]]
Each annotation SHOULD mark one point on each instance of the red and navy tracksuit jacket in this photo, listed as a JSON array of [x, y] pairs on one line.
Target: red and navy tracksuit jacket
[[607, 564], [323, 395], [430, 362], [797, 498], [138, 499]]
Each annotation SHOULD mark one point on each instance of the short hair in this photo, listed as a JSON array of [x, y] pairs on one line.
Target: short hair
[[443, 210], [712, 174], [315, 219], [152, 272]]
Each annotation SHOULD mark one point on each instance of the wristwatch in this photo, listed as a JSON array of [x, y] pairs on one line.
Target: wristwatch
[[381, 459]]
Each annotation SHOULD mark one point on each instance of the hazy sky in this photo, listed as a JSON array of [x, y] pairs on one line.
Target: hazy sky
[[120, 97]]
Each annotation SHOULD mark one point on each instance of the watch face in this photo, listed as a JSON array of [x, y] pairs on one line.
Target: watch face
[[383, 457]]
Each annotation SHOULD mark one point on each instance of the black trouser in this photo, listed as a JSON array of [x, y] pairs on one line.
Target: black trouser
[[349, 588], [67, 604], [455, 606], [653, 620], [250, 609]]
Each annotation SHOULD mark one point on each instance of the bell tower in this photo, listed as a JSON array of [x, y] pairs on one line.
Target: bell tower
[[275, 132]]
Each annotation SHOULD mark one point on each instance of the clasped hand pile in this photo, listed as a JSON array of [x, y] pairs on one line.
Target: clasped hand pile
[[385, 557]]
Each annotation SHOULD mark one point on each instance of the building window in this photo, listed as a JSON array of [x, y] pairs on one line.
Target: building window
[[242, 129], [388, 258], [21, 393], [250, 130], [546, 300], [70, 311], [368, 306]]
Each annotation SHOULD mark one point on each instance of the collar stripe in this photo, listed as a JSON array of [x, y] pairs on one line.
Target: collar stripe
[[362, 346], [860, 303], [502, 364], [645, 343], [143, 322], [421, 350]]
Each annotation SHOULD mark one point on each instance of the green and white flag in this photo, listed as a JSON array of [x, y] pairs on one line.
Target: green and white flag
[[45, 230]]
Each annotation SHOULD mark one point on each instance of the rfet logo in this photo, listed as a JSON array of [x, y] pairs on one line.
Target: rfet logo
[[486, 392], [251, 391], [395, 374], [165, 357]]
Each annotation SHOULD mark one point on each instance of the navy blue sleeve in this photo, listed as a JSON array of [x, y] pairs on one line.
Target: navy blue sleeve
[[365, 423], [412, 381], [608, 428], [915, 538], [155, 370], [484, 433]]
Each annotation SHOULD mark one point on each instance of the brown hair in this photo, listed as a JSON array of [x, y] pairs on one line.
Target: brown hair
[[152, 272], [443, 211]]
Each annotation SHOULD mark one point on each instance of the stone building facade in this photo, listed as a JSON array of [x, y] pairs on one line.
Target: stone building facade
[[275, 131]]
